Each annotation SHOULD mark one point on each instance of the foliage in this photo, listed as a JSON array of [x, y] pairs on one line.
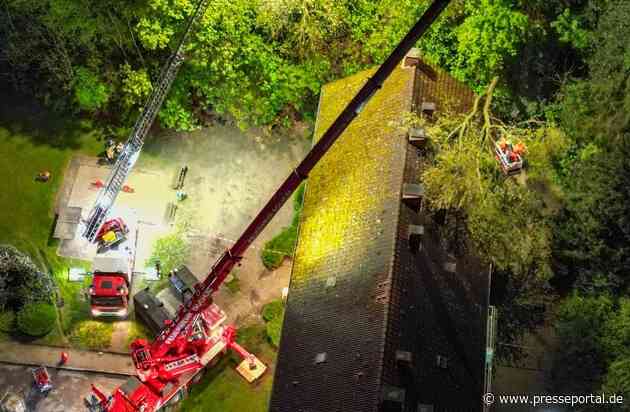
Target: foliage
[[570, 31], [274, 331], [21, 282], [234, 284], [298, 198], [89, 92], [36, 319], [138, 330], [136, 85], [505, 219], [594, 333], [487, 38], [7, 321], [273, 310], [283, 244], [618, 380], [273, 314], [598, 106], [91, 334], [170, 251], [259, 62]]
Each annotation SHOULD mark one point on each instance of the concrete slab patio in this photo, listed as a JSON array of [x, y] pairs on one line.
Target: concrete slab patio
[[143, 210]]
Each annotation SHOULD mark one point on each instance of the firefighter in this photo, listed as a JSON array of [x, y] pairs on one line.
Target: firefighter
[[503, 144], [63, 358], [519, 148], [43, 176]]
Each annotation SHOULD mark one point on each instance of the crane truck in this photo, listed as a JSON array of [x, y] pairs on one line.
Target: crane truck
[[194, 339]]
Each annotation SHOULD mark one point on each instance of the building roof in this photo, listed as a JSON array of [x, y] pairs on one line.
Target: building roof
[[348, 309]]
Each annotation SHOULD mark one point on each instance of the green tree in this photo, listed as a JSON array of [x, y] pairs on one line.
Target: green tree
[[89, 92], [570, 31], [170, 251], [136, 86], [594, 340], [21, 282], [489, 37], [580, 363], [617, 381]]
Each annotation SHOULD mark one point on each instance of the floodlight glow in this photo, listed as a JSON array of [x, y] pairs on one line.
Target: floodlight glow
[[76, 274]]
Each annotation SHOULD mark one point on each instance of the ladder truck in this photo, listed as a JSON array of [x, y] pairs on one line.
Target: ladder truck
[[129, 155], [191, 342]]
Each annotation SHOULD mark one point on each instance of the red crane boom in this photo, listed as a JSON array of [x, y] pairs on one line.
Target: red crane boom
[[203, 294]]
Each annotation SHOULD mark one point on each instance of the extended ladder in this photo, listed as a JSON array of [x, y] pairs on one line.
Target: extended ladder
[[127, 158]]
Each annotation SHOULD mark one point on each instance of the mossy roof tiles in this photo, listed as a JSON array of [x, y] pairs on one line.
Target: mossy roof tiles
[[349, 232]]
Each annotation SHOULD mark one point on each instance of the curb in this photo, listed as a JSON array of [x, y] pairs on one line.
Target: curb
[[67, 368]]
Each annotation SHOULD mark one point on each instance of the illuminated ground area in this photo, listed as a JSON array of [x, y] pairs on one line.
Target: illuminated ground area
[[228, 175]]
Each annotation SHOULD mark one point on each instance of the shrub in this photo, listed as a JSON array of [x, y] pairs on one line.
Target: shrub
[[283, 244], [234, 285], [7, 321], [36, 319], [91, 334], [274, 331], [273, 314], [89, 92], [171, 251], [273, 310], [279, 247]]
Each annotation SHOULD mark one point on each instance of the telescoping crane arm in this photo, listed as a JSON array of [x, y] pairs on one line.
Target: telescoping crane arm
[[127, 158], [202, 297]]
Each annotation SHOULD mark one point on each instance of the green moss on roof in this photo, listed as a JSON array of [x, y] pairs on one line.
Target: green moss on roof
[[350, 185]]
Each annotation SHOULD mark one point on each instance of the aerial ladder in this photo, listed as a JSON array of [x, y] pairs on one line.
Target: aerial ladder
[[190, 342], [129, 155]]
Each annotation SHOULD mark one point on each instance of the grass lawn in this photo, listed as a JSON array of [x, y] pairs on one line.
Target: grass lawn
[[137, 330], [222, 389], [31, 141], [92, 334]]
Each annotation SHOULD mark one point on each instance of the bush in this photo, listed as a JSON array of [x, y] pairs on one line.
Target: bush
[[274, 331], [279, 247], [233, 285], [171, 251], [273, 310], [89, 92], [283, 244], [273, 314], [36, 319], [91, 334], [7, 321]]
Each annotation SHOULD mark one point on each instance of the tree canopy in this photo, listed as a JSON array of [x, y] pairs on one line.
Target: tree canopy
[[21, 282], [259, 62]]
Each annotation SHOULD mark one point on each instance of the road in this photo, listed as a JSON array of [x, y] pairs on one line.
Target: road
[[70, 388]]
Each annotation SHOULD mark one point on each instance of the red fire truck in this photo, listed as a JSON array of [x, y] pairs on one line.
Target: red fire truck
[[109, 292]]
